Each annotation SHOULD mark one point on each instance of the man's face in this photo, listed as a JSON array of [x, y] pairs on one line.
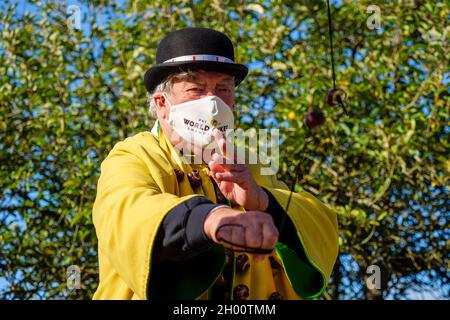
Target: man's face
[[202, 84]]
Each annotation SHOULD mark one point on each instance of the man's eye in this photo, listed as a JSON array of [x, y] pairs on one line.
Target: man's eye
[[195, 89]]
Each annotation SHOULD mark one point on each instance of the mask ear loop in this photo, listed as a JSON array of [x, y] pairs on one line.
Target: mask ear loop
[[174, 153], [169, 103], [166, 98]]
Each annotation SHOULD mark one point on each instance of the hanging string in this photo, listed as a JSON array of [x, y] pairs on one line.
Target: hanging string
[[338, 92], [297, 175], [296, 170], [293, 183], [333, 74], [330, 33]]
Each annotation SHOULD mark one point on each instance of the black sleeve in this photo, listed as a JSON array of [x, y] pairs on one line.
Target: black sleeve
[[288, 235], [275, 210], [181, 235]]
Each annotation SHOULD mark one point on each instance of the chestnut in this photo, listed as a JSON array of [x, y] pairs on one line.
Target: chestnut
[[314, 119], [336, 97], [194, 179], [179, 174], [242, 263], [241, 292]]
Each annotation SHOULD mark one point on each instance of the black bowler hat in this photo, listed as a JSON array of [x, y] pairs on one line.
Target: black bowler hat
[[195, 48]]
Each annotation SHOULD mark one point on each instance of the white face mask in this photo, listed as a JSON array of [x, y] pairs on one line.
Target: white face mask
[[194, 120]]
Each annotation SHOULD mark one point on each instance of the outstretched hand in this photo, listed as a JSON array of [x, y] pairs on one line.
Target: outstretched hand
[[242, 231]]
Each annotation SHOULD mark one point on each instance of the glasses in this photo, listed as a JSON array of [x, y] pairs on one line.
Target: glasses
[[198, 91]]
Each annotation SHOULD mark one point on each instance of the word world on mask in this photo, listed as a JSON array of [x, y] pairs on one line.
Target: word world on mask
[[194, 120]]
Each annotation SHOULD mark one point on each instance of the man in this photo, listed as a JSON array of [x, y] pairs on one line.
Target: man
[[168, 228]]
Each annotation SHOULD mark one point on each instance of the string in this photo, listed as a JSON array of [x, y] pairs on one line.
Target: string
[[297, 168], [330, 32], [333, 73]]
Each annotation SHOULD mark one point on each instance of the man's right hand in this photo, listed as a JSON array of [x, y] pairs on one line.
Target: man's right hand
[[257, 231]]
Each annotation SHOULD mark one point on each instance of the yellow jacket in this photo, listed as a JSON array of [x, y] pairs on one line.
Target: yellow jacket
[[138, 187]]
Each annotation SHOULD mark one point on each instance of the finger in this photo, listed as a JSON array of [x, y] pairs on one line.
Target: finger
[[235, 167], [225, 187], [224, 144], [239, 177], [218, 158], [269, 235], [231, 234], [238, 237], [227, 176], [224, 233], [253, 235], [216, 163], [221, 160], [219, 164]]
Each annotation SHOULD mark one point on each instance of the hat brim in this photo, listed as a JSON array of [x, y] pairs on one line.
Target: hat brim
[[159, 72]]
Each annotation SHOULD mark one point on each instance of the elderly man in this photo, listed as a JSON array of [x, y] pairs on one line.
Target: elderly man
[[169, 228]]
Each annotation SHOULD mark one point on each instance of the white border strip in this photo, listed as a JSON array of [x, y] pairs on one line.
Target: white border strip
[[200, 57]]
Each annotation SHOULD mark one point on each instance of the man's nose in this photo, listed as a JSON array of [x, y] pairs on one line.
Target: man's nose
[[210, 92]]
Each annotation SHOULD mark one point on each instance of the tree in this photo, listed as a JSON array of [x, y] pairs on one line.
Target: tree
[[68, 95]]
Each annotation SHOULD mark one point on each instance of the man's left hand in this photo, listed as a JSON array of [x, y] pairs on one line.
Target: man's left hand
[[235, 180]]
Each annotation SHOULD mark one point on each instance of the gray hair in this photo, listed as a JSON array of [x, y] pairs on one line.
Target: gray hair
[[166, 86]]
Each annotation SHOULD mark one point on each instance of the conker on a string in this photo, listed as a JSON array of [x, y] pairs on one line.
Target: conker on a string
[[314, 119], [336, 96]]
